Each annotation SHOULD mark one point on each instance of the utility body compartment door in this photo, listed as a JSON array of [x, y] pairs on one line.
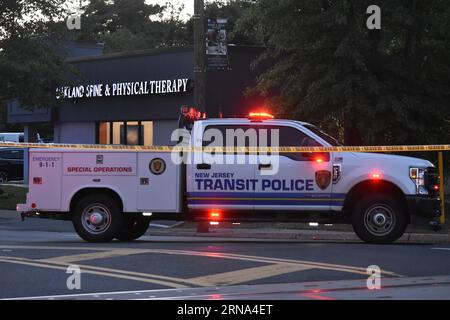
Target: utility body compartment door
[[45, 176], [159, 183]]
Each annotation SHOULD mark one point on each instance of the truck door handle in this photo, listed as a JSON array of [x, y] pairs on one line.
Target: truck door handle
[[264, 166], [203, 166]]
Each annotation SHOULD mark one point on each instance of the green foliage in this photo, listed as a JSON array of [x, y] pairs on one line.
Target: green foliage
[[233, 11], [29, 65], [124, 25], [10, 196], [370, 86]]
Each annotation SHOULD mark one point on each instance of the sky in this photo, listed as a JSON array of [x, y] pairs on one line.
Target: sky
[[188, 6], [185, 15]]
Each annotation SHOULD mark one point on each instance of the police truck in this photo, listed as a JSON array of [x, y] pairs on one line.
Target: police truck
[[113, 193]]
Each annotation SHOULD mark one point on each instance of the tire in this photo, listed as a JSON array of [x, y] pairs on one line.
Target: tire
[[102, 208], [379, 219], [134, 227], [3, 176]]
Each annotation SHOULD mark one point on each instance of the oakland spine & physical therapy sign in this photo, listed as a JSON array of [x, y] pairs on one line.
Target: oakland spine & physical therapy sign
[[124, 89]]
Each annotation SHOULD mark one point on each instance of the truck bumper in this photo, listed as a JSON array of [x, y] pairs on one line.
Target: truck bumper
[[22, 207], [424, 210]]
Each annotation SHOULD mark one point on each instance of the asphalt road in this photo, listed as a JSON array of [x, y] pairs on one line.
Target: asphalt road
[[35, 255]]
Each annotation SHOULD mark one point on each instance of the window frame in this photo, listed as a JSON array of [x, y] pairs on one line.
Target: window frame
[[262, 125]]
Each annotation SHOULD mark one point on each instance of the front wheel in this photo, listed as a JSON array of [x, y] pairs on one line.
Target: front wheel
[[134, 227], [379, 218], [97, 218]]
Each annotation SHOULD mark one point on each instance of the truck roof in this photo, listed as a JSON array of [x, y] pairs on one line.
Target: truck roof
[[248, 121]]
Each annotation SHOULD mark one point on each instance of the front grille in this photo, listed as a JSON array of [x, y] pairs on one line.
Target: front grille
[[432, 180]]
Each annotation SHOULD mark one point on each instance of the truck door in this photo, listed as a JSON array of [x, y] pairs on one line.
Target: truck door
[[229, 183], [303, 180]]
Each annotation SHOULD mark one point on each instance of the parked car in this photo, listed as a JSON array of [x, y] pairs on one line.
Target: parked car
[[11, 164], [11, 137]]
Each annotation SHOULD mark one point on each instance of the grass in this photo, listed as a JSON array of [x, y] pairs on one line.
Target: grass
[[11, 196]]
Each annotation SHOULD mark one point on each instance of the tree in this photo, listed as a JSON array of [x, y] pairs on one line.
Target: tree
[[371, 86], [30, 66], [124, 25], [233, 11]]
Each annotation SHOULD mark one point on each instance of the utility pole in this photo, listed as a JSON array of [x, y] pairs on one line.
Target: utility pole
[[200, 71], [199, 55]]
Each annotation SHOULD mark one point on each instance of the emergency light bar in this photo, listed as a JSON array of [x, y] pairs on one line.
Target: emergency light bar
[[259, 116]]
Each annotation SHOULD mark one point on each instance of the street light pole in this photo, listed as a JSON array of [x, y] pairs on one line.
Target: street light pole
[[199, 55]]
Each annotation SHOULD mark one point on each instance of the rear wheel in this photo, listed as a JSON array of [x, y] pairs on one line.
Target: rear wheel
[[97, 218], [134, 227], [379, 218]]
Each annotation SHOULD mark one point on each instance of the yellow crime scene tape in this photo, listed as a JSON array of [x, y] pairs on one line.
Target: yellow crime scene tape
[[396, 148], [399, 148]]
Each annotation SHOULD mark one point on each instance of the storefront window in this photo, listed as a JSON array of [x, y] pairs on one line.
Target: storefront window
[[126, 133]]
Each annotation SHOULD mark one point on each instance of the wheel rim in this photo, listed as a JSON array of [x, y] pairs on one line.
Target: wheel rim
[[96, 218], [379, 219]]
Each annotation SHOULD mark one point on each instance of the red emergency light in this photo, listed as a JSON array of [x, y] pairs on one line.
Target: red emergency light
[[192, 113], [214, 215], [259, 116], [376, 176]]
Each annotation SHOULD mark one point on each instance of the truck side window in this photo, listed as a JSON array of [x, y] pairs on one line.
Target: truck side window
[[249, 138], [288, 137], [292, 137]]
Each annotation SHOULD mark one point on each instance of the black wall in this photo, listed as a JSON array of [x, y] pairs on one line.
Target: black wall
[[225, 89], [125, 68]]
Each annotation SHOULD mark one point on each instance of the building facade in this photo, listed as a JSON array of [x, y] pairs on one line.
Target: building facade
[[134, 98]]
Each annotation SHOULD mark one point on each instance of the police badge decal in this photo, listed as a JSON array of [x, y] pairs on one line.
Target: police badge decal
[[157, 166], [323, 179]]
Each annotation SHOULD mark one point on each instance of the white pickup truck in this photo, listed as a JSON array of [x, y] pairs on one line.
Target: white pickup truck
[[113, 194]]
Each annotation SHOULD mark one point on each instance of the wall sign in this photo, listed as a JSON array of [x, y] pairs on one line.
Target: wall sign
[[123, 89]]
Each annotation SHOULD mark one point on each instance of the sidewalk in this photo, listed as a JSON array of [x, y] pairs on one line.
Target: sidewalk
[[307, 234]]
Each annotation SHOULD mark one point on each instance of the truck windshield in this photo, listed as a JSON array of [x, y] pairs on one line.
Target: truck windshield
[[325, 136]]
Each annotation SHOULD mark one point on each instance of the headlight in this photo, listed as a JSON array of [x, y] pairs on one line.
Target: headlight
[[417, 175]]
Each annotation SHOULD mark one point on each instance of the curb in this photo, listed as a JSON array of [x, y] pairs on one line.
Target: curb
[[300, 235]]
